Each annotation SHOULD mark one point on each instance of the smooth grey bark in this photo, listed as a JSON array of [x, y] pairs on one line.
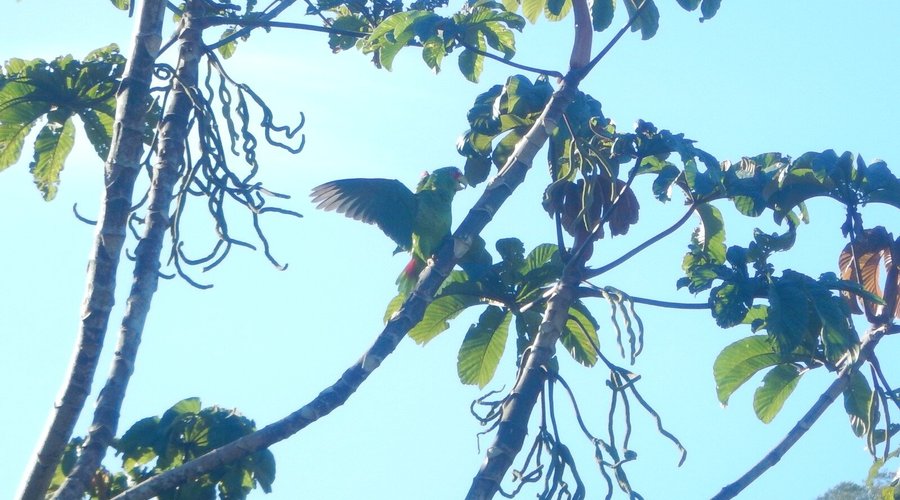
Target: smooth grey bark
[[173, 131], [121, 169]]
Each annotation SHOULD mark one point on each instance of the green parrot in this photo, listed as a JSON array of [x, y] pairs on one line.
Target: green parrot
[[417, 222]]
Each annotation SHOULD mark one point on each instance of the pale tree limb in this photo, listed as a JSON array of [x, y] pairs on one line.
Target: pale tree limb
[[173, 131], [516, 409], [121, 170], [831, 394]]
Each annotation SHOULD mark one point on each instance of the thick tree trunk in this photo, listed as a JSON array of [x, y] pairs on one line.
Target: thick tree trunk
[[170, 151], [122, 167]]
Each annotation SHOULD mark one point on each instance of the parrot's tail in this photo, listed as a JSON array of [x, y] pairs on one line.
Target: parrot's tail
[[410, 276]]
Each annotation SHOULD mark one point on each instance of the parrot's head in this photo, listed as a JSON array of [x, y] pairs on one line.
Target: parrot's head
[[449, 179]]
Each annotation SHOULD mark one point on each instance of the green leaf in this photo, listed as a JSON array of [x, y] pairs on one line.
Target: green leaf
[[689, 4], [187, 406], [838, 335], [471, 64], [602, 12], [580, 335], [506, 146], [500, 38], [531, 9], [538, 257], [351, 22], [555, 10], [477, 169], [393, 306], [99, 127], [51, 148], [711, 232], [433, 53], [776, 387], [740, 361], [437, 315], [662, 185], [483, 346], [137, 445], [857, 400], [263, 467], [511, 5], [647, 21], [729, 304], [709, 8], [12, 138], [788, 320], [229, 48]]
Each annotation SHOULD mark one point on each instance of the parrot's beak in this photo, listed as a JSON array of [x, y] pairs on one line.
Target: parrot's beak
[[461, 182]]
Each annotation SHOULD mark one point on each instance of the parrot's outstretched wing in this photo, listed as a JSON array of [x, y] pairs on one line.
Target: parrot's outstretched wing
[[387, 203]]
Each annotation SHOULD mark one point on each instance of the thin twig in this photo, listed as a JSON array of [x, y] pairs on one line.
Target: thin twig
[[587, 69], [548, 72], [595, 291], [592, 273]]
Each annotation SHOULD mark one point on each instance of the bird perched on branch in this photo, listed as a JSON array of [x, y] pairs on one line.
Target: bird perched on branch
[[417, 222]]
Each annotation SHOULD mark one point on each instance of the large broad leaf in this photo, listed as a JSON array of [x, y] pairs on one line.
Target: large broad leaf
[[710, 234], [532, 9], [740, 361], [99, 128], [857, 403], [186, 406], [647, 21], [689, 4], [602, 13], [438, 314], [776, 386], [872, 251], [471, 63], [56, 91], [709, 8], [483, 346], [138, 445], [51, 148], [555, 10], [788, 320], [580, 335], [433, 54]]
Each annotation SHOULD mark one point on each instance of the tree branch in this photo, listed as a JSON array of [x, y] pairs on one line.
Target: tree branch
[[498, 190], [593, 273], [282, 5], [172, 138], [804, 424], [517, 407], [591, 292], [256, 23], [120, 171], [523, 67]]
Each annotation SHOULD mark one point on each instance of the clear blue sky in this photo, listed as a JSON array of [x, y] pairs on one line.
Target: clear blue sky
[[762, 76]]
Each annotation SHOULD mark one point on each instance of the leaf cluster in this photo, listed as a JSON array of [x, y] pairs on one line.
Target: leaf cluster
[[384, 28], [509, 292], [50, 94], [184, 432]]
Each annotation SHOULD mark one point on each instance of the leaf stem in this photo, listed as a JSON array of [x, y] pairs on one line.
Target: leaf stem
[[593, 273]]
